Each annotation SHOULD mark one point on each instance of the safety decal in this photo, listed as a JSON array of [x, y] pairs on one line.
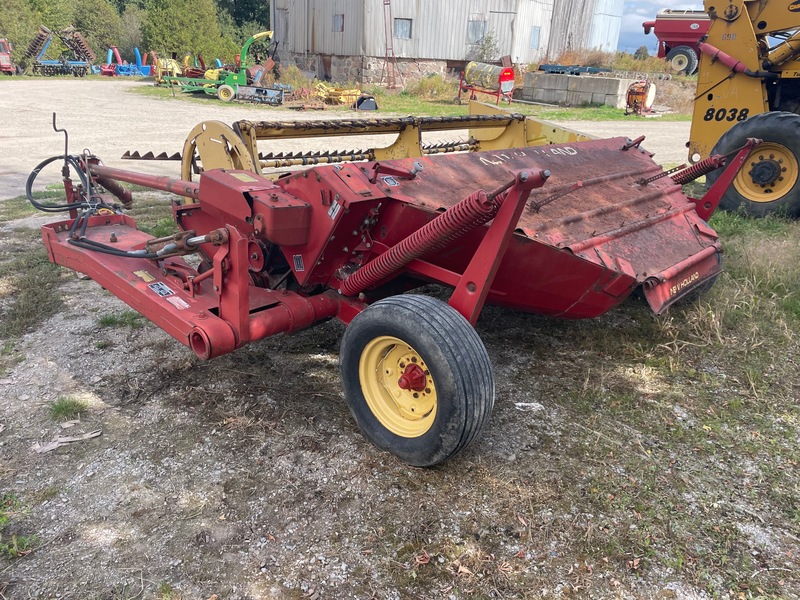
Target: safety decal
[[298, 262], [334, 210], [162, 289], [177, 302], [144, 276]]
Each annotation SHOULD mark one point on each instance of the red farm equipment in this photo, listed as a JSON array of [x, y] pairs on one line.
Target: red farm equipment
[[7, 65], [486, 79], [679, 33], [524, 215]]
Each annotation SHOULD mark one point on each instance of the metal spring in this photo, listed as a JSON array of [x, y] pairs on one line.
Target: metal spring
[[702, 168], [472, 211]]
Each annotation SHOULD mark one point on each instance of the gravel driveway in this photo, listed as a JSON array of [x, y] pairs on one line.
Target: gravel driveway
[[106, 118]]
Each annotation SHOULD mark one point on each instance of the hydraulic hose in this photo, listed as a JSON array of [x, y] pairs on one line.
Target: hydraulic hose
[[54, 208]]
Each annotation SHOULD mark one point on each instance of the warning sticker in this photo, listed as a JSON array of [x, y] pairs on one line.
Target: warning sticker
[[298, 262], [162, 289], [144, 276], [334, 210], [178, 302]]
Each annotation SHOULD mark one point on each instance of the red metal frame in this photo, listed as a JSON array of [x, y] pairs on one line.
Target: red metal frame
[[6, 64], [463, 86], [673, 30], [325, 242]]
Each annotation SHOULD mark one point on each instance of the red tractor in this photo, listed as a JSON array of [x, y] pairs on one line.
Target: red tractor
[[678, 33], [6, 64]]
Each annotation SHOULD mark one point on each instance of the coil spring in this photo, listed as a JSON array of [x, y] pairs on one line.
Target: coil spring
[[704, 167], [472, 211]]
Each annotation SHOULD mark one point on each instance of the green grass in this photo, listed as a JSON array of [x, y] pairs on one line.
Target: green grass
[[65, 408], [20, 207], [406, 103], [12, 545], [34, 282], [128, 318]]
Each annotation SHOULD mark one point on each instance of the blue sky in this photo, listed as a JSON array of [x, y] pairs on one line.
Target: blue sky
[[631, 34]]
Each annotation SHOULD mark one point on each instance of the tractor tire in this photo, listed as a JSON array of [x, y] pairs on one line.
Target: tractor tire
[[683, 60], [417, 378], [225, 93], [769, 181]]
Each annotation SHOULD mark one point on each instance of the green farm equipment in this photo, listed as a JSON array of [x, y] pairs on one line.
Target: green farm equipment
[[226, 83]]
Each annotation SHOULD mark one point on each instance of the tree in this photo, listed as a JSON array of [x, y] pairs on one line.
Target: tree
[[99, 23], [486, 50], [18, 23], [184, 26], [244, 11], [133, 18], [55, 14], [641, 53]]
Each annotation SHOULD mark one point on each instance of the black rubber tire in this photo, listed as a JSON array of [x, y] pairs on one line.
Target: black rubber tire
[[458, 363], [778, 127], [683, 55]]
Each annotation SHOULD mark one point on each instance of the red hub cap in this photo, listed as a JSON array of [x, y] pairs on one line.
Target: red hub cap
[[413, 378]]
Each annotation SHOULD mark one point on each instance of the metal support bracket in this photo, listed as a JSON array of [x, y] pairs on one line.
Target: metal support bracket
[[470, 293]]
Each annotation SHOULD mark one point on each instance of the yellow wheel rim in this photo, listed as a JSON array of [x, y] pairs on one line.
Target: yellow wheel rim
[[769, 173], [386, 365], [225, 94], [679, 62]]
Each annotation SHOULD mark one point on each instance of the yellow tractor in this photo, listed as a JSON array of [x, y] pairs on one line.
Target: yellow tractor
[[748, 86]]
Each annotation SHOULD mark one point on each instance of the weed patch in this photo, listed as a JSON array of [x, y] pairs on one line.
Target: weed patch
[[128, 318], [66, 408], [33, 285], [12, 545]]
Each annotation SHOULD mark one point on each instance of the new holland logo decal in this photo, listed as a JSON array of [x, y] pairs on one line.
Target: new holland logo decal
[[794, 7]]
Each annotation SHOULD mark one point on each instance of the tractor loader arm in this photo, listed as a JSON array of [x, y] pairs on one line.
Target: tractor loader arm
[[747, 88]]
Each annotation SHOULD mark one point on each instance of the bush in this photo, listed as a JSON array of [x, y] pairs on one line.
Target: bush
[[433, 86]]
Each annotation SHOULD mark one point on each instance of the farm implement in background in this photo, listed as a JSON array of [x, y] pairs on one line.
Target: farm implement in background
[[524, 215], [486, 79], [243, 81], [77, 60], [116, 66], [7, 65]]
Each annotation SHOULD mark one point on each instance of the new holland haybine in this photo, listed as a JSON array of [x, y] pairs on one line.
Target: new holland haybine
[[522, 214]]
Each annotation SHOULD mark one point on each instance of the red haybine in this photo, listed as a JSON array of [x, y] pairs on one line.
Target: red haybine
[[567, 230]]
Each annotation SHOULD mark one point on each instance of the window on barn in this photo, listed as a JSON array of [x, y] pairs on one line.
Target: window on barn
[[535, 31], [338, 23], [476, 29], [402, 29]]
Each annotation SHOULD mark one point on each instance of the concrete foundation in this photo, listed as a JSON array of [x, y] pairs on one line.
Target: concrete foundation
[[363, 69], [575, 90]]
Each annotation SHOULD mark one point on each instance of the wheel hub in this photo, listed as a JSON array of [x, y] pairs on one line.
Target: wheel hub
[[680, 62], [765, 172], [398, 386], [413, 378], [770, 173]]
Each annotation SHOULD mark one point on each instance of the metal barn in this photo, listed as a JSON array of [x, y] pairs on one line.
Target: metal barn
[[346, 39]]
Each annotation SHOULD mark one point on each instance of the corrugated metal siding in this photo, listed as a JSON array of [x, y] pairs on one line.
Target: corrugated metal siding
[[322, 37], [532, 13], [310, 26], [570, 26], [439, 27], [606, 23]]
